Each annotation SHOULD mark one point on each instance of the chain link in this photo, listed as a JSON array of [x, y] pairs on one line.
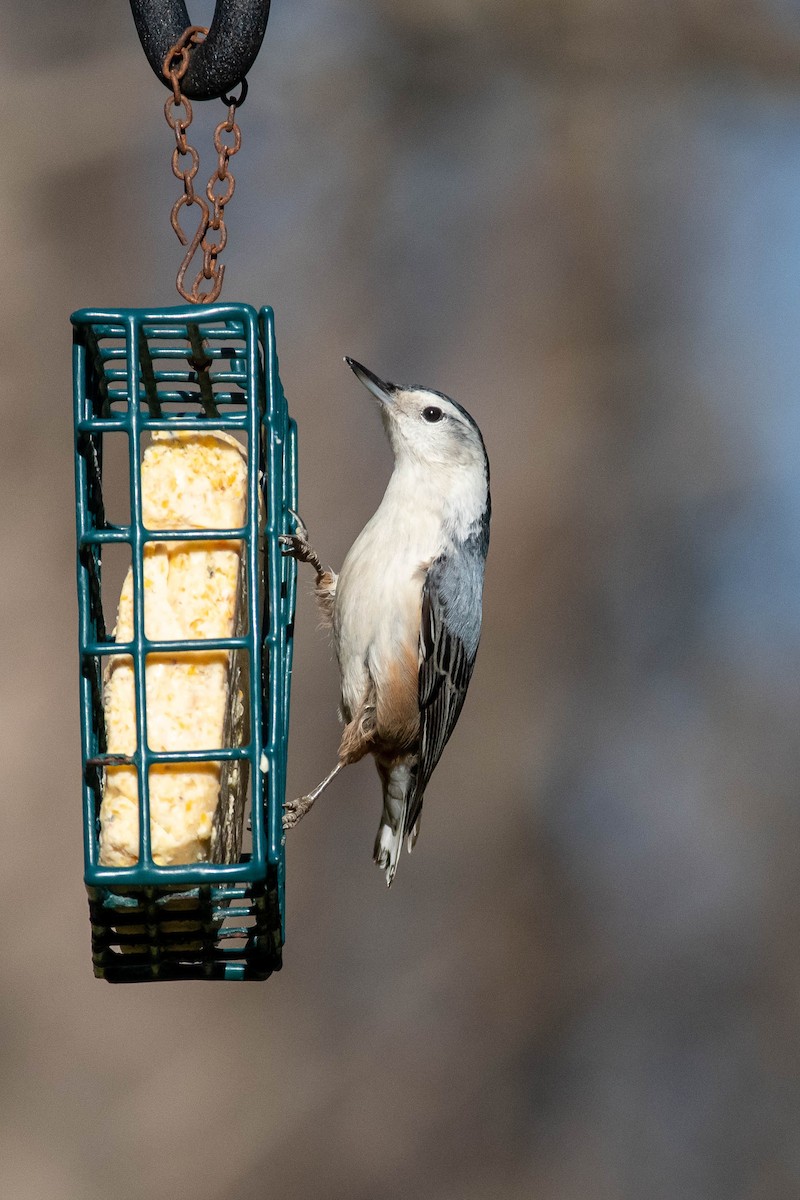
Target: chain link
[[178, 112]]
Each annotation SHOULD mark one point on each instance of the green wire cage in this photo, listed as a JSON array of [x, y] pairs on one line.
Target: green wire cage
[[203, 368]]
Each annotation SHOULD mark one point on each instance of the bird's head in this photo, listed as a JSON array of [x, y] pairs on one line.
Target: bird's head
[[424, 426]]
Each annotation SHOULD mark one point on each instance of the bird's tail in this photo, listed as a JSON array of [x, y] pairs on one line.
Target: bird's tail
[[398, 786]]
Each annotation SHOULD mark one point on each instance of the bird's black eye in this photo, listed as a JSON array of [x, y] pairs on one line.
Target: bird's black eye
[[432, 413]]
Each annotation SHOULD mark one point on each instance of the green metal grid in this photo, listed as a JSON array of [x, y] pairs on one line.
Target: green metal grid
[[205, 368]]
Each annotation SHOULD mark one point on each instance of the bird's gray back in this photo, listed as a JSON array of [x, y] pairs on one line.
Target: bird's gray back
[[455, 582]]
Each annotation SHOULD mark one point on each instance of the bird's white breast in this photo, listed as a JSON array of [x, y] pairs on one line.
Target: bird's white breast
[[379, 590]]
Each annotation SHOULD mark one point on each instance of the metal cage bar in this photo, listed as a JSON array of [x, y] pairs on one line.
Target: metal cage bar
[[151, 921]]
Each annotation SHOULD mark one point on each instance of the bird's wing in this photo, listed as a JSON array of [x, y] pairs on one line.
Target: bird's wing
[[449, 633]]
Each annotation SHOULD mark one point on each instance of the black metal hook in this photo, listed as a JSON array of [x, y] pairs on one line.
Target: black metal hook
[[222, 60]]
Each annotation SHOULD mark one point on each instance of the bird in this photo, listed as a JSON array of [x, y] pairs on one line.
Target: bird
[[405, 609]]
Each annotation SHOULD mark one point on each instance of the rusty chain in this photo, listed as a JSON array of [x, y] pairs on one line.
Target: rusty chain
[[227, 141]]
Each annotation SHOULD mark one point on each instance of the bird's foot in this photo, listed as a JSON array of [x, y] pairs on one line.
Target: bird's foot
[[295, 810], [297, 545]]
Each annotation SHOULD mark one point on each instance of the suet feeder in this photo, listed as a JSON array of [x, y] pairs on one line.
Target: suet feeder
[[210, 368]]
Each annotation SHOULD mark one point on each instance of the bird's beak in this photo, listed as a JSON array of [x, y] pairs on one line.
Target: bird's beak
[[384, 392]]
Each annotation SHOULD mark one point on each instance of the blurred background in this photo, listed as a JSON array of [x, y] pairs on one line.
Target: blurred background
[[582, 219]]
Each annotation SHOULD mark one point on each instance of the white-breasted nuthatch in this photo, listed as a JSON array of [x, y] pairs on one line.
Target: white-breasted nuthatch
[[405, 608]]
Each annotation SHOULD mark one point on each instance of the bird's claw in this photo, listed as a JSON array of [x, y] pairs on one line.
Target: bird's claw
[[296, 545], [293, 545], [295, 810], [299, 525]]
